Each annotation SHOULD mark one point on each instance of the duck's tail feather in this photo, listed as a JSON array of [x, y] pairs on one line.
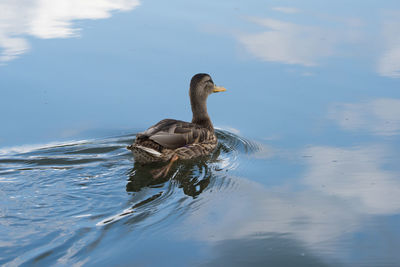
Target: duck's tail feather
[[151, 151]]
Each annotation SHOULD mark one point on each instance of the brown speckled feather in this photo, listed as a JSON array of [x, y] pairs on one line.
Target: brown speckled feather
[[169, 136]]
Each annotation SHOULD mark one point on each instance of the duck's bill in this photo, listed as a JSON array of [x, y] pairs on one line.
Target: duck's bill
[[219, 89]]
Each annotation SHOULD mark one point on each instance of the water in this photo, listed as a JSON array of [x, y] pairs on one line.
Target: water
[[306, 171]]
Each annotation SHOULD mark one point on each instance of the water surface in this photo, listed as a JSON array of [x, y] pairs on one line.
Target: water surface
[[306, 171]]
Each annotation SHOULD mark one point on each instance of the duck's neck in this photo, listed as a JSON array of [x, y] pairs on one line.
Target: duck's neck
[[200, 115]]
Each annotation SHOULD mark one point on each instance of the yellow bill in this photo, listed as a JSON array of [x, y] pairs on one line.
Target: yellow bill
[[218, 89]]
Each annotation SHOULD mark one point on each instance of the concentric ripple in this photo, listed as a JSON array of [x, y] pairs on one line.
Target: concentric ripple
[[70, 193]]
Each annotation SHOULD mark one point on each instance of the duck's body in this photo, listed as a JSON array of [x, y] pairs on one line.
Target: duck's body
[[169, 139], [172, 137]]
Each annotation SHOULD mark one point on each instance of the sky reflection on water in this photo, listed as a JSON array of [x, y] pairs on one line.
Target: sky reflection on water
[[379, 116], [48, 20], [315, 85]]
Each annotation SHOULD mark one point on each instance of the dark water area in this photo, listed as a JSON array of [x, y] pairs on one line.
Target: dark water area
[[306, 172]]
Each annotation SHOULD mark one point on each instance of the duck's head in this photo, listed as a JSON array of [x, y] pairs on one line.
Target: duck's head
[[201, 86]]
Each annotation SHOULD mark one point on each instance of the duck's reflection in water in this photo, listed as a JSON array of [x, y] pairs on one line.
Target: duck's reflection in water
[[193, 176]]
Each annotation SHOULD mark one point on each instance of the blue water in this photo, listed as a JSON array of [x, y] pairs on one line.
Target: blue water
[[306, 171]]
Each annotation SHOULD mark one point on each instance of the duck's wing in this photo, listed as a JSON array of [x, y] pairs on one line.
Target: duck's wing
[[173, 134]]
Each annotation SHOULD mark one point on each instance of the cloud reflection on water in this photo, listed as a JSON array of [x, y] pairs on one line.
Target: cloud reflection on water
[[379, 116], [311, 218], [342, 186], [47, 19], [289, 43], [355, 175], [389, 61], [295, 43]]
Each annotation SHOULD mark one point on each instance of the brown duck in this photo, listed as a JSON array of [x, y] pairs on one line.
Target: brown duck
[[170, 140]]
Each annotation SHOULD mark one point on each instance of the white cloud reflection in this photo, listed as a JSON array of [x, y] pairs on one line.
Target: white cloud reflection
[[355, 175], [389, 61], [289, 43], [48, 19], [379, 116], [327, 36], [342, 186], [259, 210]]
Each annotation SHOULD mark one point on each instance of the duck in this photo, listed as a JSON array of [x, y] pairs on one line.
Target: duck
[[170, 140]]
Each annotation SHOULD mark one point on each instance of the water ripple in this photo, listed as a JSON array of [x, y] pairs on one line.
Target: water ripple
[[59, 189]]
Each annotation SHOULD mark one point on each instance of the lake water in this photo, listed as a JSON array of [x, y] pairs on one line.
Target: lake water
[[307, 169]]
